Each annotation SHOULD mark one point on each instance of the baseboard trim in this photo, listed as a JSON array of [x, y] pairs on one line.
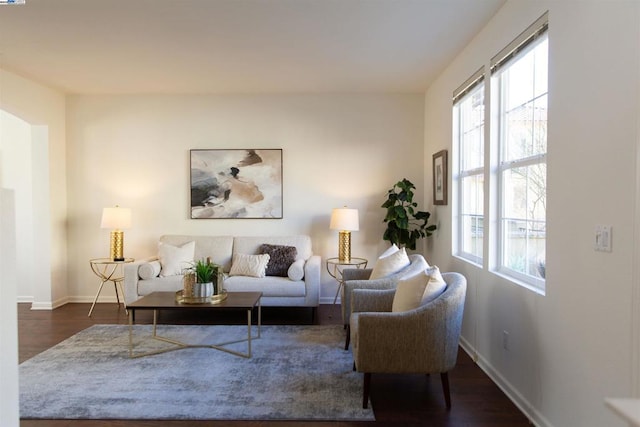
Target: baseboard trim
[[329, 300], [534, 416], [46, 305]]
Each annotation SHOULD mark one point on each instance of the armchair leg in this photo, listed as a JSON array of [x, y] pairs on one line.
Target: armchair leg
[[444, 376], [346, 343], [365, 390]]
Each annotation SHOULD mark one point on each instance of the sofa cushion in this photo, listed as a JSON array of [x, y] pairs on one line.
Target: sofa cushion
[[280, 258], [271, 286], [160, 284], [296, 270], [175, 259], [249, 265], [386, 266], [149, 270], [410, 291]]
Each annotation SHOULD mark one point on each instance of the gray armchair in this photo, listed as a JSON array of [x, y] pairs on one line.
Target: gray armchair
[[420, 341], [359, 279]]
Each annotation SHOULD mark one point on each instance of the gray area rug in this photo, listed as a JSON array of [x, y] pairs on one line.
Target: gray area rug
[[296, 373]]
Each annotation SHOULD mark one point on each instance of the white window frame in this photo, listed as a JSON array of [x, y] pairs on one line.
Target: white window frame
[[494, 168], [526, 42], [474, 84]]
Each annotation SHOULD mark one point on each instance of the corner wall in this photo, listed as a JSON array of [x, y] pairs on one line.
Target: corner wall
[[133, 151], [573, 347], [44, 109]]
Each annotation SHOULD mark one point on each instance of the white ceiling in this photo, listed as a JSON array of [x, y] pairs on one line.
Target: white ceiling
[[237, 46]]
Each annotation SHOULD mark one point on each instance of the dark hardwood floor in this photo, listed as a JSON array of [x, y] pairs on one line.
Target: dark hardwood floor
[[407, 400]]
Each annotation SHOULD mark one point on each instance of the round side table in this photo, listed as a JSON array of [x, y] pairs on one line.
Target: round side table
[[106, 269], [335, 267]]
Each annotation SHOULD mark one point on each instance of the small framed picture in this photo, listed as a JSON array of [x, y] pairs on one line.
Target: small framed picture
[[440, 178]]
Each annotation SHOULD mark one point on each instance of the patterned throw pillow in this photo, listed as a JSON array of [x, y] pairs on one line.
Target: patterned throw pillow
[[280, 258], [249, 265]]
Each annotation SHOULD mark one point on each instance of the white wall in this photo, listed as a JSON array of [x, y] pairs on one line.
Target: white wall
[[9, 405], [573, 347], [16, 173], [44, 110], [134, 151]]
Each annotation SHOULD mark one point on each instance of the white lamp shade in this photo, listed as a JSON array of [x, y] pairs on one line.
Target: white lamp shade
[[344, 219], [116, 218]]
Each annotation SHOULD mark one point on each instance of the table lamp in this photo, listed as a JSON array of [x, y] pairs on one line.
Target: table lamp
[[345, 220], [116, 218]]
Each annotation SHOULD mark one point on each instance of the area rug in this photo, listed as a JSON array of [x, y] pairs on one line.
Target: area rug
[[296, 373]]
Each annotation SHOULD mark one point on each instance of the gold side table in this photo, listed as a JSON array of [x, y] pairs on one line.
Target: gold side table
[[335, 267], [108, 271]]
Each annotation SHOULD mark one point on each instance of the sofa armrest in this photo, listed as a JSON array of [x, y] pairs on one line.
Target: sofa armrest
[[131, 278], [312, 281]]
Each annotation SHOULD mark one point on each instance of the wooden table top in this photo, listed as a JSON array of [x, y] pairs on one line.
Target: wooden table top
[[167, 301]]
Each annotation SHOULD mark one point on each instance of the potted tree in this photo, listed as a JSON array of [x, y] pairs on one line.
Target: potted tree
[[405, 223]]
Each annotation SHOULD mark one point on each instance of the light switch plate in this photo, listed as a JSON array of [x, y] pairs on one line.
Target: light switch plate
[[602, 238]]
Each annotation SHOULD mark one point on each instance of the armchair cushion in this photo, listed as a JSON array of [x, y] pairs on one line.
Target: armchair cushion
[[386, 266], [436, 285], [175, 259], [409, 291]]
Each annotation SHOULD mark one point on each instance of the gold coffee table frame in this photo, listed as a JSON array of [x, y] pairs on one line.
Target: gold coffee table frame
[[167, 301]]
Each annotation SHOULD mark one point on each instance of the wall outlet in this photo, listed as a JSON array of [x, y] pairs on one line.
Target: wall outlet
[[505, 340]]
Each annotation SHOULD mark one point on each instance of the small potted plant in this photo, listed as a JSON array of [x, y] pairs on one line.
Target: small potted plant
[[201, 279]]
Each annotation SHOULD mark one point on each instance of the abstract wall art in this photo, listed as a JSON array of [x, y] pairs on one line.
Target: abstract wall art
[[236, 183]]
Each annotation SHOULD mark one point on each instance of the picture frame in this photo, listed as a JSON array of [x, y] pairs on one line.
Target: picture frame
[[440, 178], [236, 183]]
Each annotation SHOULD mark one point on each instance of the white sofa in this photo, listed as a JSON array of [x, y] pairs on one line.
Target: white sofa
[[276, 291]]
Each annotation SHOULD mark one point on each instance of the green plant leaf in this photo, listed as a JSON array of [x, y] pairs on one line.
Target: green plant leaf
[[405, 223]]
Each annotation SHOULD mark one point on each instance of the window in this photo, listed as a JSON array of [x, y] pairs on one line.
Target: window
[[468, 110], [522, 90], [504, 182]]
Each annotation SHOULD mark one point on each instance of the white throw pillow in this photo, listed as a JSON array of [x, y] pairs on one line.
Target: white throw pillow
[[410, 291], [175, 259], [390, 264], [249, 265], [296, 270], [390, 250], [436, 285], [149, 270]]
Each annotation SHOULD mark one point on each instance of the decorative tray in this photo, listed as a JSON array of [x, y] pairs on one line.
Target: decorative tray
[[213, 299]]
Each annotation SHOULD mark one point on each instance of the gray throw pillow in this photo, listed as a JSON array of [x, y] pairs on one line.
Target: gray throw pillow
[[280, 258]]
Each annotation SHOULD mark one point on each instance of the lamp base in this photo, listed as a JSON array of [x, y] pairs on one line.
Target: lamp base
[[117, 245], [344, 246]]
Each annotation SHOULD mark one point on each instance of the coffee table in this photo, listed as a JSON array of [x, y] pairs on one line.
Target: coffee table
[[167, 301]]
